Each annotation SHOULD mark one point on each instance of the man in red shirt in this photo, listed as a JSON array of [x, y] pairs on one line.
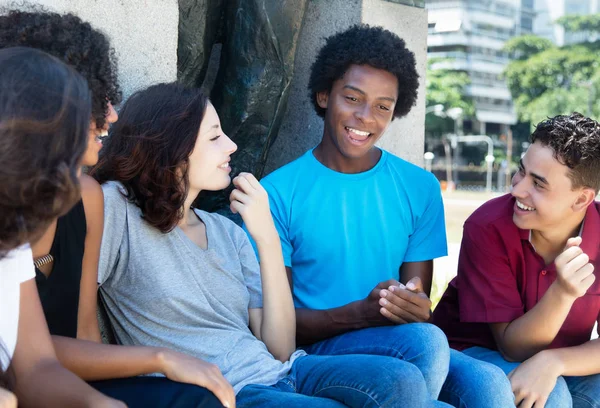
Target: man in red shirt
[[526, 297]]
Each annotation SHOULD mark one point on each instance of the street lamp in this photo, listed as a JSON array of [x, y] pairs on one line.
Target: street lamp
[[456, 114], [428, 156], [437, 110]]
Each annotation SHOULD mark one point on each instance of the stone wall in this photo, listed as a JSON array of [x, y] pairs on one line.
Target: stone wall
[[143, 33], [301, 128]]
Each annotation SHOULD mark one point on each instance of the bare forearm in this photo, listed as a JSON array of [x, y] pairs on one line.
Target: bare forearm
[[47, 385], [579, 360], [278, 327], [316, 325], [95, 361], [536, 329]]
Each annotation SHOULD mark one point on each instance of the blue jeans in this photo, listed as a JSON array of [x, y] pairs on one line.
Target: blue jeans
[[159, 392], [421, 345], [342, 381], [473, 383], [577, 392]]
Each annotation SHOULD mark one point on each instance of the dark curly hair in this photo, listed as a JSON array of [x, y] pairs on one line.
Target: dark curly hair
[[44, 123], [72, 41], [148, 150], [575, 141], [365, 45]]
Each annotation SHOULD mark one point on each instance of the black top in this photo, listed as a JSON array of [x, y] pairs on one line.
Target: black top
[[59, 292]]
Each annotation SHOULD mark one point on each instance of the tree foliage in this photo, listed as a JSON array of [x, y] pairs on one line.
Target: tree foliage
[[523, 47], [448, 88], [546, 80], [580, 23]]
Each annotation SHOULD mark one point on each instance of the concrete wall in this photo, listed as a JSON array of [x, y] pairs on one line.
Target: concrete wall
[[143, 33], [301, 128]]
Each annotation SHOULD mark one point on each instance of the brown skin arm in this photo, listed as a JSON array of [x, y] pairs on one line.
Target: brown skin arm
[[316, 325], [422, 270], [93, 204], [40, 379]]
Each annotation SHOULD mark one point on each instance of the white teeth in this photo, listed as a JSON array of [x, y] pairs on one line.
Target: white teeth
[[101, 135], [224, 165], [358, 132], [524, 207]]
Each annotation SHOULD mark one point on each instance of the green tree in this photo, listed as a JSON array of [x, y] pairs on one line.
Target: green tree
[[588, 24], [546, 80], [448, 88]]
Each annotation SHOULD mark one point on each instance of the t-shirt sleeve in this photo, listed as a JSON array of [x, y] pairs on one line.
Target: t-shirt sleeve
[[428, 240], [115, 218], [487, 287], [279, 213], [18, 263], [251, 271]]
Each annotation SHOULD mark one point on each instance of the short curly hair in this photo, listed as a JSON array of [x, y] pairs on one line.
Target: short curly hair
[[149, 147], [365, 45], [44, 123], [575, 142], [68, 38]]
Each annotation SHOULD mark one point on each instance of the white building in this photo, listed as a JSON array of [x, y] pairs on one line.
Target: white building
[[471, 34]]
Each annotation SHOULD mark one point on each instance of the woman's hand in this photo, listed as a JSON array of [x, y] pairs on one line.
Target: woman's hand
[[7, 399], [251, 201], [186, 369]]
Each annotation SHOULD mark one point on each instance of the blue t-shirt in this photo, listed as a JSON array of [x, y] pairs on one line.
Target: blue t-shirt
[[342, 234]]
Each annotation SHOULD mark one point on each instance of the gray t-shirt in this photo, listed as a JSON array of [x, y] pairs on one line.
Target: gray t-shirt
[[163, 290]]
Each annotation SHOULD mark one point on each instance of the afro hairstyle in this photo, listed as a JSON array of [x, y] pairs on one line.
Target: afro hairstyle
[[365, 45], [68, 38]]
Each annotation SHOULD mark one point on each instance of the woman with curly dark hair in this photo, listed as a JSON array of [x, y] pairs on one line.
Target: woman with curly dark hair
[[66, 256], [174, 276], [44, 121]]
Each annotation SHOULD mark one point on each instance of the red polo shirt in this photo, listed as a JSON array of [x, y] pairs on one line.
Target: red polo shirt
[[501, 277]]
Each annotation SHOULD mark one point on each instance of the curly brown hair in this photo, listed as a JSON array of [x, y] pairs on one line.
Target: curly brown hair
[[44, 122], [68, 38], [575, 142], [148, 150]]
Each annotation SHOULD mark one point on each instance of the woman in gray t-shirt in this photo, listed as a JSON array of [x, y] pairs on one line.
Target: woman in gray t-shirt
[[178, 277]]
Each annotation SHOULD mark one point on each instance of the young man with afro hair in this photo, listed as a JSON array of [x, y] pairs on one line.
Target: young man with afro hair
[[527, 293], [360, 227]]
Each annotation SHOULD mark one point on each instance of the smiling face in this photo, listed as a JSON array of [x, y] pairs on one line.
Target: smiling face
[[209, 161], [545, 198], [359, 108], [90, 157]]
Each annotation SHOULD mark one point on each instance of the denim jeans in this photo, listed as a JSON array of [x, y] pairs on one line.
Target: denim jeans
[[576, 392], [473, 383], [353, 380], [422, 345], [159, 392]]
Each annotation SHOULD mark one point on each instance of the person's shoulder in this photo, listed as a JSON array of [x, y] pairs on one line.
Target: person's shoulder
[[408, 170], [89, 187], [115, 195], [283, 175], [494, 213], [17, 264], [91, 194], [113, 189]]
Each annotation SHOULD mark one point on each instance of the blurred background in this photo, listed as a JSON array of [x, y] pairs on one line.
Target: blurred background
[[496, 68]]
